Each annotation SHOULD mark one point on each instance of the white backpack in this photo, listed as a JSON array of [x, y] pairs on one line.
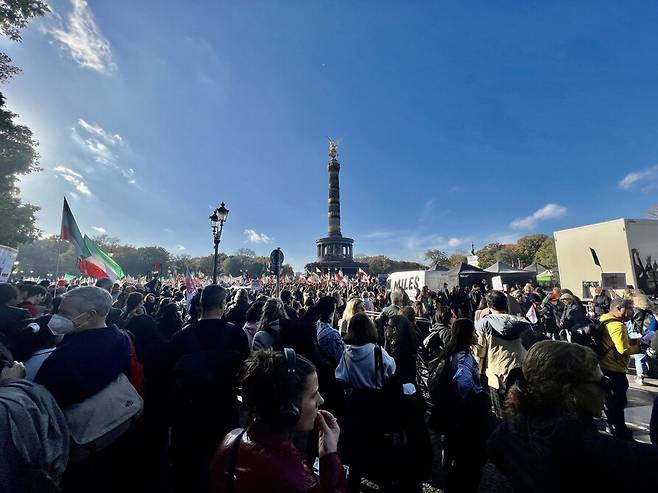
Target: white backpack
[[99, 420]]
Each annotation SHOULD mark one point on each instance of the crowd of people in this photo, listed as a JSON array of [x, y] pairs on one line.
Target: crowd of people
[[126, 387]]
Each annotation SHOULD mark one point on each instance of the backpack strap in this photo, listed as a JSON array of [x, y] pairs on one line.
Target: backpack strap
[[233, 462], [379, 364]]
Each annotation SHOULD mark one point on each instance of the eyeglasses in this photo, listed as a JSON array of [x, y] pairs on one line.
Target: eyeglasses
[[604, 383]]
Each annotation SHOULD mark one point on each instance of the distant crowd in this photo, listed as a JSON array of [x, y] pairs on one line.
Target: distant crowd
[[155, 387]]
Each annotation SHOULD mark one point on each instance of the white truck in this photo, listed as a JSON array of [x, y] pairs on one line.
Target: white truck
[[626, 251], [410, 281]]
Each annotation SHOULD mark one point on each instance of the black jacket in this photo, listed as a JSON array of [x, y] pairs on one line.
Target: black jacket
[[566, 454], [10, 318], [84, 363]]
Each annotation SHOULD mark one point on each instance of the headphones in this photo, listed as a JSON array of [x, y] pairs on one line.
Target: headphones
[[288, 413]]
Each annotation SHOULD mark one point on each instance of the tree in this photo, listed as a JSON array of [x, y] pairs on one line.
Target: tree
[[527, 247], [455, 259], [245, 252], [546, 255], [487, 254], [508, 255], [41, 257], [18, 157], [436, 257], [14, 16]]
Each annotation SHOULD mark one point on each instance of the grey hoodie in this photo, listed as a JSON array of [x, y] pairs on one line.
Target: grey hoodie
[[357, 367]]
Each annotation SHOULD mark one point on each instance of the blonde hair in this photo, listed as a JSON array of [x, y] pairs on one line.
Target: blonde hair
[[272, 310], [350, 309], [641, 301]]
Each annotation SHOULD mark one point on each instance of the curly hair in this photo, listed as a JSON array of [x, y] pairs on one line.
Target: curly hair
[[550, 369]]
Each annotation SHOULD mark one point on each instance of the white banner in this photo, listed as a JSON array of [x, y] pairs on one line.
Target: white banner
[[7, 257]]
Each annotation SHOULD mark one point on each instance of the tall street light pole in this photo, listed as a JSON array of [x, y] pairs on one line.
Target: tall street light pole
[[217, 220]]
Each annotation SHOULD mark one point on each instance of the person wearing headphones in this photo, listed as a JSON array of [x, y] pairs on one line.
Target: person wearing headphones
[[280, 389]]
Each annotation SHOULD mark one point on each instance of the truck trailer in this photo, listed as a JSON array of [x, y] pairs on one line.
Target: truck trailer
[[611, 254]]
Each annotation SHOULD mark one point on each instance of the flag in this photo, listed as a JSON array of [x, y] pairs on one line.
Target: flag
[[71, 233], [190, 286], [361, 274], [595, 257], [532, 315], [97, 263]]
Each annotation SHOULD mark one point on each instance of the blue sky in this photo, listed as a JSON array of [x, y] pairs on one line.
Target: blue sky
[[457, 121]]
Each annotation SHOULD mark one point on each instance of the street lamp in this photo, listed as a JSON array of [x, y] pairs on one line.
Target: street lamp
[[217, 220]]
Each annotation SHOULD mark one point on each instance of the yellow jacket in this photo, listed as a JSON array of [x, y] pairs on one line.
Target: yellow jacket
[[615, 337]]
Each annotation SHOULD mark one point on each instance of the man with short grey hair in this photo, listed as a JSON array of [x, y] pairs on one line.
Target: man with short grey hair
[[395, 308], [91, 355]]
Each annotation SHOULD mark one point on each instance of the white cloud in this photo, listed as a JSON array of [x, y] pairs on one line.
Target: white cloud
[[380, 235], [99, 230], [549, 211], [180, 247], [168, 230], [74, 178], [96, 129], [455, 242], [645, 175], [83, 40], [254, 237]]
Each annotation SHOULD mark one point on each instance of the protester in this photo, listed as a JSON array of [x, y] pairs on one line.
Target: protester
[[169, 321], [238, 311], [401, 342], [134, 306], [357, 367], [33, 432], [204, 358], [601, 301], [614, 363], [32, 295], [439, 333], [282, 395], [330, 343], [252, 320], [269, 329], [549, 441], [10, 315], [500, 349], [354, 306], [462, 410], [397, 302]]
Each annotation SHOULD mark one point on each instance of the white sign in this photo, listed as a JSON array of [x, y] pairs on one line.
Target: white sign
[[473, 260], [7, 257], [497, 283]]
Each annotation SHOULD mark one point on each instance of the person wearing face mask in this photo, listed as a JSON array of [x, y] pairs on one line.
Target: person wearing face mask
[[91, 355], [614, 363], [281, 391]]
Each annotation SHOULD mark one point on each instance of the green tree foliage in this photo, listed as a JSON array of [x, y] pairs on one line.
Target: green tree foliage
[[41, 257], [436, 257], [455, 259], [18, 155], [487, 254], [528, 246], [546, 254], [380, 264]]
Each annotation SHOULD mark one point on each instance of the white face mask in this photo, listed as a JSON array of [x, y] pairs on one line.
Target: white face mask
[[60, 325]]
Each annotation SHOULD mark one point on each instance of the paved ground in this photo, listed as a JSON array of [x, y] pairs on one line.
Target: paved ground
[[640, 402]]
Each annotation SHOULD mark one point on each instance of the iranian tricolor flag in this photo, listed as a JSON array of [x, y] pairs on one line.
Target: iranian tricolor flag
[[92, 260]]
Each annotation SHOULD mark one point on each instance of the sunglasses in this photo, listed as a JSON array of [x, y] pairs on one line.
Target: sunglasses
[[604, 383]]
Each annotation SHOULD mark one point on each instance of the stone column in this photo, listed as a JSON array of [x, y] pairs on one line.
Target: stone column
[[334, 192]]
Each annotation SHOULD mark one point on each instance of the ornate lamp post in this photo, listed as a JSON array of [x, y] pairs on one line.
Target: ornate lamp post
[[217, 220]]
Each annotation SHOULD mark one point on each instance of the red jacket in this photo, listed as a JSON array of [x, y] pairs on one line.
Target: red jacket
[[268, 464]]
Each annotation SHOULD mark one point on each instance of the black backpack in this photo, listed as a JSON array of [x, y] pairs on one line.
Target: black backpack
[[592, 337], [204, 377], [443, 394]]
